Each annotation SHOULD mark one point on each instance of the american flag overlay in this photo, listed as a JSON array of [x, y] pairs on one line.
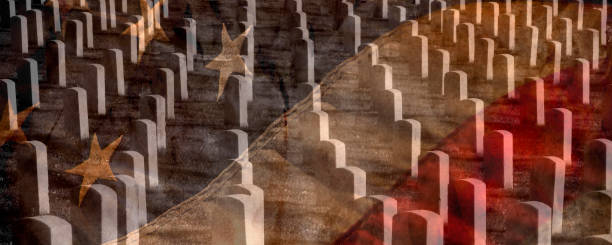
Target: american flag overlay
[[251, 122]]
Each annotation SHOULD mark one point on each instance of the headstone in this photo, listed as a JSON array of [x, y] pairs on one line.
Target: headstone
[[129, 42], [397, 15], [191, 45], [477, 8], [483, 55], [596, 212], [439, 6], [27, 84], [559, 122], [589, 46], [503, 75], [19, 34], [153, 107], [597, 171], [178, 64], [455, 86], [580, 16], [7, 11], [163, 85], [547, 186], [529, 223], [498, 160], [57, 23], [554, 52], [73, 36], [384, 209], [565, 36], [112, 16], [131, 163], [506, 30], [113, 65], [94, 84], [533, 51], [126, 189], [603, 22], [465, 43], [544, 23], [468, 206], [76, 121], [44, 229], [303, 60], [491, 17], [55, 60], [407, 145], [418, 227], [35, 27], [95, 220], [237, 147], [417, 50], [366, 63], [439, 64], [449, 26], [433, 179], [351, 33], [239, 218], [138, 21], [382, 9], [33, 180], [143, 139], [87, 19], [235, 103], [8, 98], [388, 104], [581, 83]]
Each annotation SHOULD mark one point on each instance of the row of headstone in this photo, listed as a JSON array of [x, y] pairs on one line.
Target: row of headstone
[[238, 214], [350, 27], [303, 46], [108, 211]]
